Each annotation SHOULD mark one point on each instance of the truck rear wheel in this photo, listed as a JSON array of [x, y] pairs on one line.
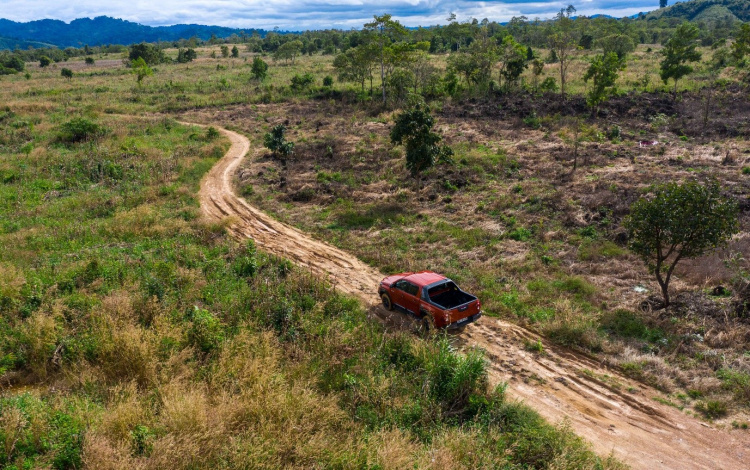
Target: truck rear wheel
[[428, 325], [386, 301]]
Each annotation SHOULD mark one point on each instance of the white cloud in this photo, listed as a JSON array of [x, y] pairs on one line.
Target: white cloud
[[304, 14]]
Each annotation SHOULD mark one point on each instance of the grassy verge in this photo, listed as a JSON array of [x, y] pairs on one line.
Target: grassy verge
[[135, 335]]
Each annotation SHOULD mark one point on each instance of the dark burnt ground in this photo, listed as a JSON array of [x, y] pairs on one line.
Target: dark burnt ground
[[729, 114]]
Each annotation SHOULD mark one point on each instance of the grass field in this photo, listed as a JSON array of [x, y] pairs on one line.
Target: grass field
[[135, 335]]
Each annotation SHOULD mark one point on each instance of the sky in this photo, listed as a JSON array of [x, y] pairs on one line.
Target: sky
[[306, 14]]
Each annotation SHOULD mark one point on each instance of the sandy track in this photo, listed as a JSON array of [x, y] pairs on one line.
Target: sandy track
[[615, 413]]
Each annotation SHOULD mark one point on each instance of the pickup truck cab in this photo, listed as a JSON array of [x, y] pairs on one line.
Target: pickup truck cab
[[433, 298]]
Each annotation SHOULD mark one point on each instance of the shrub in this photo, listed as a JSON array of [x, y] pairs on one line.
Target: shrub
[[150, 54], [79, 130], [212, 133], [276, 142], [712, 408], [44, 61], [206, 332], [259, 69], [90, 61], [300, 82], [66, 73], [328, 81]]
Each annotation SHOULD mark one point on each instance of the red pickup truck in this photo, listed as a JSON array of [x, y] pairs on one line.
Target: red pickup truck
[[433, 298]]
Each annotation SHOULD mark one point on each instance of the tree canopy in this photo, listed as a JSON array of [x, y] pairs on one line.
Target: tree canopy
[[679, 221]]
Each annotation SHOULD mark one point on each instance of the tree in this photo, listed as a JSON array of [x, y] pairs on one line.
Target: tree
[[276, 142], [603, 71], [476, 61], [259, 69], [355, 65], [235, 52], [562, 42], [288, 51], [151, 54], [678, 51], [413, 130], [385, 31], [90, 61], [679, 221], [537, 68], [620, 44], [186, 55], [225, 51], [662, 3], [67, 73], [44, 61], [741, 44], [512, 61], [140, 69]]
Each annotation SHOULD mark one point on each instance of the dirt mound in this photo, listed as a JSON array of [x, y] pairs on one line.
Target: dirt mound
[[616, 414]]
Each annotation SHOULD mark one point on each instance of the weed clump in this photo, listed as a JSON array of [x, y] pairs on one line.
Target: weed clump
[[80, 130]]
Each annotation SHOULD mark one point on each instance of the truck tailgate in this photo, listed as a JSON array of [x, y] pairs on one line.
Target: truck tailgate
[[464, 311]]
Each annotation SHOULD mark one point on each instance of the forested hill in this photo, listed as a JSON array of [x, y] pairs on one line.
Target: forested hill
[[706, 10], [105, 30]]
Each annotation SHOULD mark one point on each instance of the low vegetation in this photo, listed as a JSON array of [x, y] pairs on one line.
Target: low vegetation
[[135, 335]]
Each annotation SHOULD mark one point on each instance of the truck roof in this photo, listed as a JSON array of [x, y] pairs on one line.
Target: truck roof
[[422, 278]]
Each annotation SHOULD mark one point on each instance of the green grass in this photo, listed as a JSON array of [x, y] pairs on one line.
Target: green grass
[[170, 343]]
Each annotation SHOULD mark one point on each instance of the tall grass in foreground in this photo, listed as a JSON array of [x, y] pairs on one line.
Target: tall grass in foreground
[[147, 338]]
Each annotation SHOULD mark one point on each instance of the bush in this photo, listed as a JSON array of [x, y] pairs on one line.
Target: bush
[[66, 73], [259, 69], [206, 332], [80, 130], [276, 142], [548, 85], [300, 82], [150, 54], [712, 408], [328, 81], [44, 61], [90, 61]]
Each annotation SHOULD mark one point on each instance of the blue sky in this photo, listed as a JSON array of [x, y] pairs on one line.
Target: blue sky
[[305, 14]]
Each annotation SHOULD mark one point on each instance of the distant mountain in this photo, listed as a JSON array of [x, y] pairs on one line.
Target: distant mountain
[[105, 30], [12, 44], [705, 10]]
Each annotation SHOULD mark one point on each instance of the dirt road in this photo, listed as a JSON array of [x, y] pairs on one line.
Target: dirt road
[[614, 413]]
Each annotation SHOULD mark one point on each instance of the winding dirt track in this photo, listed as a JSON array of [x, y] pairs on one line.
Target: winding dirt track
[[614, 413]]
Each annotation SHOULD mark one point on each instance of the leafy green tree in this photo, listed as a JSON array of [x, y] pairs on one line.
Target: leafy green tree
[[413, 130], [90, 61], [679, 221], [355, 65], [288, 51], [225, 51], [562, 42], [620, 44], [151, 54], [66, 73], [537, 68], [186, 55], [276, 142], [140, 69], [663, 3], [512, 61], [235, 52], [678, 51], [476, 61], [14, 62], [741, 44], [259, 69], [603, 72], [384, 31], [328, 81], [44, 61]]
